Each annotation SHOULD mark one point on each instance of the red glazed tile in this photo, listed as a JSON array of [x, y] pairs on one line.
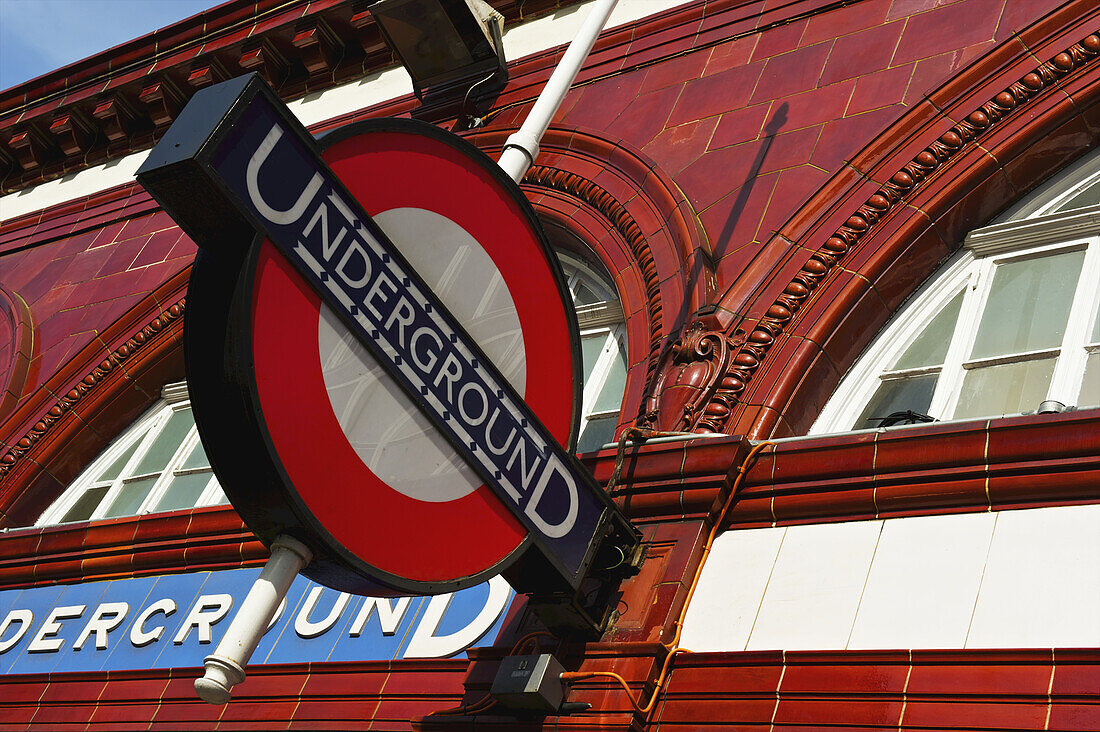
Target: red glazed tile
[[741, 125], [953, 714], [947, 28], [838, 711], [880, 89], [842, 139], [794, 187], [791, 73], [862, 53], [779, 40], [678, 147], [727, 55], [675, 71], [716, 94], [644, 119], [984, 679], [845, 20], [789, 149], [1084, 717]]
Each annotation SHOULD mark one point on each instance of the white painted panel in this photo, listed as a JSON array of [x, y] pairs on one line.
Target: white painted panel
[[923, 582], [1041, 587], [1011, 579], [727, 600], [811, 600], [520, 40]]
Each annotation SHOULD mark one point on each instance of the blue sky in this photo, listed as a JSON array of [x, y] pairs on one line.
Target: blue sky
[[38, 36]]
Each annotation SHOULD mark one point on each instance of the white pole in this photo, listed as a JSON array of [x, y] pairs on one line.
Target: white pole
[[225, 666], [522, 148]]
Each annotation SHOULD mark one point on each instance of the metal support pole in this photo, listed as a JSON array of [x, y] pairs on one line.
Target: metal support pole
[[522, 147], [225, 666]]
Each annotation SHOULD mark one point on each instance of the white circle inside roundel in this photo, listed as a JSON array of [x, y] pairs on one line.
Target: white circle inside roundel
[[390, 434]]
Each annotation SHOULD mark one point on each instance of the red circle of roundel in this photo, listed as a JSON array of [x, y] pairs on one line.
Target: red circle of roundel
[[391, 166]]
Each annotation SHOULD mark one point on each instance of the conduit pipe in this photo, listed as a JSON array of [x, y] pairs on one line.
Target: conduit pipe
[[225, 666], [522, 147]]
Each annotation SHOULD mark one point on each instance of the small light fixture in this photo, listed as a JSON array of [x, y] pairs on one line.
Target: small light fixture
[[451, 48]]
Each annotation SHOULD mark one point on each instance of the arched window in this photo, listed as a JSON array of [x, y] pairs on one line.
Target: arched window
[[1009, 323], [158, 464], [603, 349]]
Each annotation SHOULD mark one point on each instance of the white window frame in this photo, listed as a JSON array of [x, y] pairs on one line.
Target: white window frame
[[603, 317], [144, 431], [973, 269]]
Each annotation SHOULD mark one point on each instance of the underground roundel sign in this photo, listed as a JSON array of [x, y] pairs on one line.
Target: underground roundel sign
[[381, 354]]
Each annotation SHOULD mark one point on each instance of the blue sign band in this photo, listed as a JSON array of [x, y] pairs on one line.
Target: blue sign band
[[174, 621], [294, 198]]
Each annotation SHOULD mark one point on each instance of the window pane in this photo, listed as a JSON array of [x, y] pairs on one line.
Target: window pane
[[219, 496], [611, 395], [183, 492], [898, 395], [116, 467], [591, 348], [167, 442], [1090, 388], [597, 432], [584, 295], [84, 506], [197, 458], [1028, 305], [1008, 388], [129, 499], [930, 347], [1089, 196]]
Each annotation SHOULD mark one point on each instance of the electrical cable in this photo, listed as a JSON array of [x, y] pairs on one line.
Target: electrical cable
[[673, 647]]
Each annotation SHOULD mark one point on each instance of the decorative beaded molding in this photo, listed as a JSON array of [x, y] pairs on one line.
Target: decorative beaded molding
[[574, 185], [138, 341], [712, 410]]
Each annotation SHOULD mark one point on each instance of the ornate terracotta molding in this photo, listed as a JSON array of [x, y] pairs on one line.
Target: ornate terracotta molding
[[574, 185], [713, 409], [149, 334]]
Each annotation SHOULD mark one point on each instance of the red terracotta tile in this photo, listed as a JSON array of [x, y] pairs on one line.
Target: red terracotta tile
[[644, 119], [716, 94], [677, 147], [984, 679], [946, 28], [880, 89], [603, 101], [730, 54], [1084, 717], [862, 53], [792, 190], [952, 714], [838, 711], [791, 73], [734, 222], [731, 711], [845, 20], [779, 40], [789, 149], [1076, 673], [842, 139], [741, 125], [675, 71]]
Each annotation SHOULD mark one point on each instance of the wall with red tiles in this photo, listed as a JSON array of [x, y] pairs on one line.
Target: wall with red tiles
[[721, 131]]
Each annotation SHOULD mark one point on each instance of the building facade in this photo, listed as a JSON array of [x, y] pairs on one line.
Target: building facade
[[837, 272]]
